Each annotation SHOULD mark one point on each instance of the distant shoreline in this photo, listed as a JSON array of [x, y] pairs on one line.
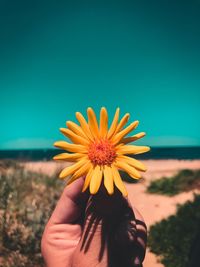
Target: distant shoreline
[[155, 153]]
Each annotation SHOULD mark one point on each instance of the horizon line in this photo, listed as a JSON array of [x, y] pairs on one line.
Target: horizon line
[[48, 148]]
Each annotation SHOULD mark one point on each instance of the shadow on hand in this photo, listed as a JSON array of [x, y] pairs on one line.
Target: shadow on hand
[[122, 236]]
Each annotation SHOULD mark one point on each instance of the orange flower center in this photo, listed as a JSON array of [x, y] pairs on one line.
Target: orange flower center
[[101, 152]]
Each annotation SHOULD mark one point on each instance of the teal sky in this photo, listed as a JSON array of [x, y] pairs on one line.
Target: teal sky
[[59, 57]]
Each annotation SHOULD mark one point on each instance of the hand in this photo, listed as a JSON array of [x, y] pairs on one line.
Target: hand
[[100, 230]]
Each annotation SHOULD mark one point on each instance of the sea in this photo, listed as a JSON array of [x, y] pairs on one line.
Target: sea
[[188, 153]]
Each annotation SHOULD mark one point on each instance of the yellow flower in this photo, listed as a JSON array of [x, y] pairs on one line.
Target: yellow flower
[[99, 153]]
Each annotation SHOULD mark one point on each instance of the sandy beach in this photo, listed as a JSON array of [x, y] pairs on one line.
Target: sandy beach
[[153, 207]]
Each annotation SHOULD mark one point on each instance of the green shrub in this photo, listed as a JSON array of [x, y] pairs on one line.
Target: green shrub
[[185, 180], [172, 238], [27, 199]]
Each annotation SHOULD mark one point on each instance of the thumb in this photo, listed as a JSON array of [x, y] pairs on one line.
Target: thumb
[[62, 232]]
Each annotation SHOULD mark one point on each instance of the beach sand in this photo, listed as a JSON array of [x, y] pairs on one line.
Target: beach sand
[[153, 207]]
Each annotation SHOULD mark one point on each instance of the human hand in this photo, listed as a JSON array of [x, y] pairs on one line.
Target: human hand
[[111, 234]]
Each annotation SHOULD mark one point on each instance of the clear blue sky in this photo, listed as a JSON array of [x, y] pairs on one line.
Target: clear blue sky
[[59, 57]]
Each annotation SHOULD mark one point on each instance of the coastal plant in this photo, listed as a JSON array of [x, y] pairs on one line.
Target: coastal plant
[[184, 180], [174, 238], [27, 200]]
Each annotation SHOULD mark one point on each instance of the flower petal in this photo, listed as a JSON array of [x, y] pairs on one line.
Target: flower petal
[[118, 182], [103, 122], [69, 170], [117, 138], [129, 169], [129, 149], [108, 179], [133, 162], [123, 121], [68, 156], [133, 138], [76, 129], [114, 124], [70, 147], [74, 137], [84, 125], [80, 172], [96, 180], [88, 179], [92, 122]]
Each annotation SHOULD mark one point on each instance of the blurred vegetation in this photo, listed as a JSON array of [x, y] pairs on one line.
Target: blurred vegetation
[[175, 238], [27, 199], [185, 180]]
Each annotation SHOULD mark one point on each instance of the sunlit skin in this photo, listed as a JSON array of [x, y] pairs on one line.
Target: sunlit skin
[[99, 152], [101, 231]]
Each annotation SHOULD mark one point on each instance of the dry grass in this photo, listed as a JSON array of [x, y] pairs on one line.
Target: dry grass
[[27, 199]]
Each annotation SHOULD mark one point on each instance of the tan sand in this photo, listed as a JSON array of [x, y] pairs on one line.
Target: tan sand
[[153, 207], [156, 168]]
